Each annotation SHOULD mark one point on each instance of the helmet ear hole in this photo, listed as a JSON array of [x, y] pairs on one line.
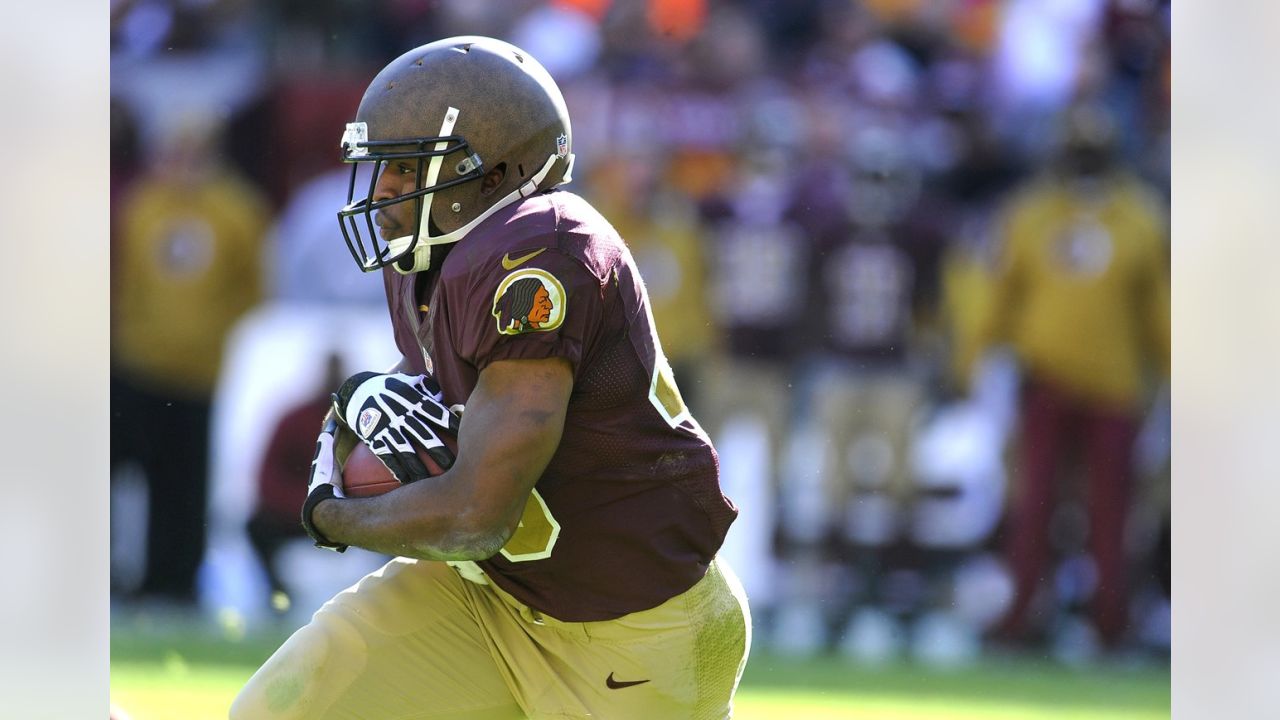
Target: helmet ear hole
[[520, 167], [492, 180]]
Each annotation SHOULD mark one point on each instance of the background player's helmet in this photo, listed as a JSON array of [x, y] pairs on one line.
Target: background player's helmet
[[459, 108], [1086, 142]]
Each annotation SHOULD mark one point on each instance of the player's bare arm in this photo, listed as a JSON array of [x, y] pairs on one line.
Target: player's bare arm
[[512, 426]]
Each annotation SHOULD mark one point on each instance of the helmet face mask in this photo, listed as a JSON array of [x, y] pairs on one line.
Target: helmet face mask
[[428, 154], [455, 110]]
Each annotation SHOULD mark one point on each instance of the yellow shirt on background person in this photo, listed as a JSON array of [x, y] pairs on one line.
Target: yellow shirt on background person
[[188, 266], [966, 300], [1083, 289]]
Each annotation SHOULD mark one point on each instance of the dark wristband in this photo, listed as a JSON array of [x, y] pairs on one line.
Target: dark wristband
[[317, 496]]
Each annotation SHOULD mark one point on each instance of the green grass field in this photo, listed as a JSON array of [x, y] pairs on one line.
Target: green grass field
[[175, 674]]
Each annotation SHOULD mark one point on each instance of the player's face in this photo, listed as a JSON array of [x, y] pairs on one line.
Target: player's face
[[541, 311], [399, 177]]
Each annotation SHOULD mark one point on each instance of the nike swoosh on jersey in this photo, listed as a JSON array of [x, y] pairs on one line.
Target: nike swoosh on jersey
[[509, 264], [616, 684]]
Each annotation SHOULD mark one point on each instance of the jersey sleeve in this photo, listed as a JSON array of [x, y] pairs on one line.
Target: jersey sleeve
[[547, 306]]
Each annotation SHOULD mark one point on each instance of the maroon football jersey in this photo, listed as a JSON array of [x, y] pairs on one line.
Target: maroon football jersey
[[629, 511]]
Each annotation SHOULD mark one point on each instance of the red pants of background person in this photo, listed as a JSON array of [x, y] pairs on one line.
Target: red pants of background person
[[1055, 424]]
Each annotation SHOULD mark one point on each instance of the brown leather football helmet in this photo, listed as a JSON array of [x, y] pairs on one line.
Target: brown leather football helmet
[[459, 107]]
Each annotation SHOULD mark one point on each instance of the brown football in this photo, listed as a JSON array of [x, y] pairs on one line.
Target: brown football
[[364, 475]]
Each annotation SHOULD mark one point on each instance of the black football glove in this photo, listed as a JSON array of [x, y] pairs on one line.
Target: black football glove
[[326, 483], [392, 412]]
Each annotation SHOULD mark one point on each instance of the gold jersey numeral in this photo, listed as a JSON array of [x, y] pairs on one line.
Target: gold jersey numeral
[[536, 534]]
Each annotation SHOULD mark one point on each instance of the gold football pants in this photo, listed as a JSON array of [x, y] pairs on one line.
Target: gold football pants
[[414, 640]]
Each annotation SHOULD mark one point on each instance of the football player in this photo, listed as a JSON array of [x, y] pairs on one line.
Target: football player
[[565, 564]]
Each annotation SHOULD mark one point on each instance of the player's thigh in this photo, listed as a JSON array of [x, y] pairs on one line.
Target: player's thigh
[[401, 643], [839, 400], [681, 660], [893, 402]]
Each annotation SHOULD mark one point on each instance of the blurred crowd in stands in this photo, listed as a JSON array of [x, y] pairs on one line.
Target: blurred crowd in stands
[[908, 259]]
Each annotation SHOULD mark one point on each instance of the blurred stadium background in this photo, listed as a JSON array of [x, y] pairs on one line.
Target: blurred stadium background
[[822, 196]]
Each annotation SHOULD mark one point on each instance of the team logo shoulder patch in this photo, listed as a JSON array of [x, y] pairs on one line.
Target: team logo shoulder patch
[[529, 300]]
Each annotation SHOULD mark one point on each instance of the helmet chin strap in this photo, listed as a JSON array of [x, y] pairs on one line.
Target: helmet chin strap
[[422, 251]]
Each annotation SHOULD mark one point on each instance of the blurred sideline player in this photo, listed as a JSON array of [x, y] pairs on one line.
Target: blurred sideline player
[[186, 269], [1083, 297], [274, 521], [583, 514], [754, 290], [873, 293]]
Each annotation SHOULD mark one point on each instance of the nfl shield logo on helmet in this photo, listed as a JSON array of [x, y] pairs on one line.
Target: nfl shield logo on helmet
[[562, 145], [369, 417]]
